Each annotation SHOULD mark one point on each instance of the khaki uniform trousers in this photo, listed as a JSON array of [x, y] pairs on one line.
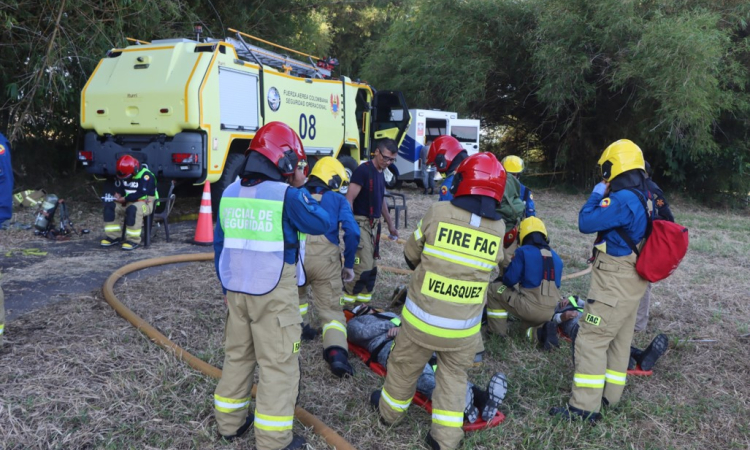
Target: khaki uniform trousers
[[602, 346], [113, 230], [529, 305], [323, 271], [405, 365], [261, 330], [641, 321], [365, 270]]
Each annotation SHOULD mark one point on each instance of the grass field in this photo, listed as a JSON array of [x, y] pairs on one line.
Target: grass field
[[75, 375]]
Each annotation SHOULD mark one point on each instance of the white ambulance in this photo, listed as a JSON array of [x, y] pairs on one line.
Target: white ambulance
[[426, 126]]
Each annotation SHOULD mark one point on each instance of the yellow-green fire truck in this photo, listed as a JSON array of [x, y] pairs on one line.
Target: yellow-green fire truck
[[189, 108]]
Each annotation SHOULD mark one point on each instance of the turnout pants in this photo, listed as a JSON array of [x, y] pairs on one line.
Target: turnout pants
[[323, 270], [641, 321], [406, 364], [261, 331], [529, 305], [602, 347], [365, 270], [134, 214]]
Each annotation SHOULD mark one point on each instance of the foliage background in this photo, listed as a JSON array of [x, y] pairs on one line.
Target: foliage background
[[552, 80]]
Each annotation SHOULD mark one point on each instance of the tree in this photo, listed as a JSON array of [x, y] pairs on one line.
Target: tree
[[571, 76]]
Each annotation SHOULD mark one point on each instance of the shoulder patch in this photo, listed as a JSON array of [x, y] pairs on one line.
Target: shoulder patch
[[531, 196], [444, 189], [146, 177], [305, 198], [659, 203], [605, 202], [2, 149]]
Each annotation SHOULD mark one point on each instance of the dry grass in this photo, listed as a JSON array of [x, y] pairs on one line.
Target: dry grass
[[74, 375]]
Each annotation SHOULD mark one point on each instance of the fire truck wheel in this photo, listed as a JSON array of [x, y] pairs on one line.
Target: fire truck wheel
[[232, 167]]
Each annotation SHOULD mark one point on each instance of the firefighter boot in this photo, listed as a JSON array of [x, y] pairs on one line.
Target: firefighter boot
[[129, 245], [298, 442], [496, 390], [471, 412], [653, 352], [109, 242], [241, 430], [569, 412], [309, 333], [547, 336], [431, 442], [338, 360]]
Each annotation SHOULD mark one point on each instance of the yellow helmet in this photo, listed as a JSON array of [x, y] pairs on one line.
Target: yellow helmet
[[530, 225], [620, 157], [512, 164], [330, 171]]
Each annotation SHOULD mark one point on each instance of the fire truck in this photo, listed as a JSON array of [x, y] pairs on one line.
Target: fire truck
[[188, 108]]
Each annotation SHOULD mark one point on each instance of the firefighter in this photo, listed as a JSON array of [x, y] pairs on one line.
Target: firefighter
[[603, 344], [445, 155], [452, 252], [323, 271], [135, 193], [529, 287], [365, 196], [256, 248], [6, 181], [514, 165]]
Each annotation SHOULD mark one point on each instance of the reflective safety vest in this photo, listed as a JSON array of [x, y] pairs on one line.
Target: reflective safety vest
[[132, 185], [252, 259], [457, 251]]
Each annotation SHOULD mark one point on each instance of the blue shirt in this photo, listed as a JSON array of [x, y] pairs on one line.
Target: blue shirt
[[445, 189], [362, 176], [338, 210], [527, 268], [6, 181], [527, 198], [621, 209], [301, 214]]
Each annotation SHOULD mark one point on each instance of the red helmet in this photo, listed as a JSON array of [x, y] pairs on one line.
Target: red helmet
[[480, 174], [127, 166], [281, 145], [443, 151]]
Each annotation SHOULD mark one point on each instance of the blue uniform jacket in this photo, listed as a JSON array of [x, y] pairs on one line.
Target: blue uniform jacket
[[621, 209], [527, 268], [445, 189], [6, 181], [340, 212], [529, 200], [301, 214]]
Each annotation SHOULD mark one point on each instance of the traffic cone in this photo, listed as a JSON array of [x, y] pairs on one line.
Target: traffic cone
[[204, 232]]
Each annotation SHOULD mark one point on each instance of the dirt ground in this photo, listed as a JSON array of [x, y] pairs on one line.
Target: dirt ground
[[75, 375]]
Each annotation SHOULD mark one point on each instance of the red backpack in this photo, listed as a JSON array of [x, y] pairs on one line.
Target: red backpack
[[665, 246]]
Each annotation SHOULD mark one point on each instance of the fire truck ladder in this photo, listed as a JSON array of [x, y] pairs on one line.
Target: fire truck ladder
[[255, 54]]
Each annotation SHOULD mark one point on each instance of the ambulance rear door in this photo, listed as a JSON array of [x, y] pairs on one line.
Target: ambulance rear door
[[466, 131]]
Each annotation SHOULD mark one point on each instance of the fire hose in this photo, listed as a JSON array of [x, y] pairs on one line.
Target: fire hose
[[331, 437], [307, 419]]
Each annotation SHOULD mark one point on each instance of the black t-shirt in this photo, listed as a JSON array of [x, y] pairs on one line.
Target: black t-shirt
[[373, 189]]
